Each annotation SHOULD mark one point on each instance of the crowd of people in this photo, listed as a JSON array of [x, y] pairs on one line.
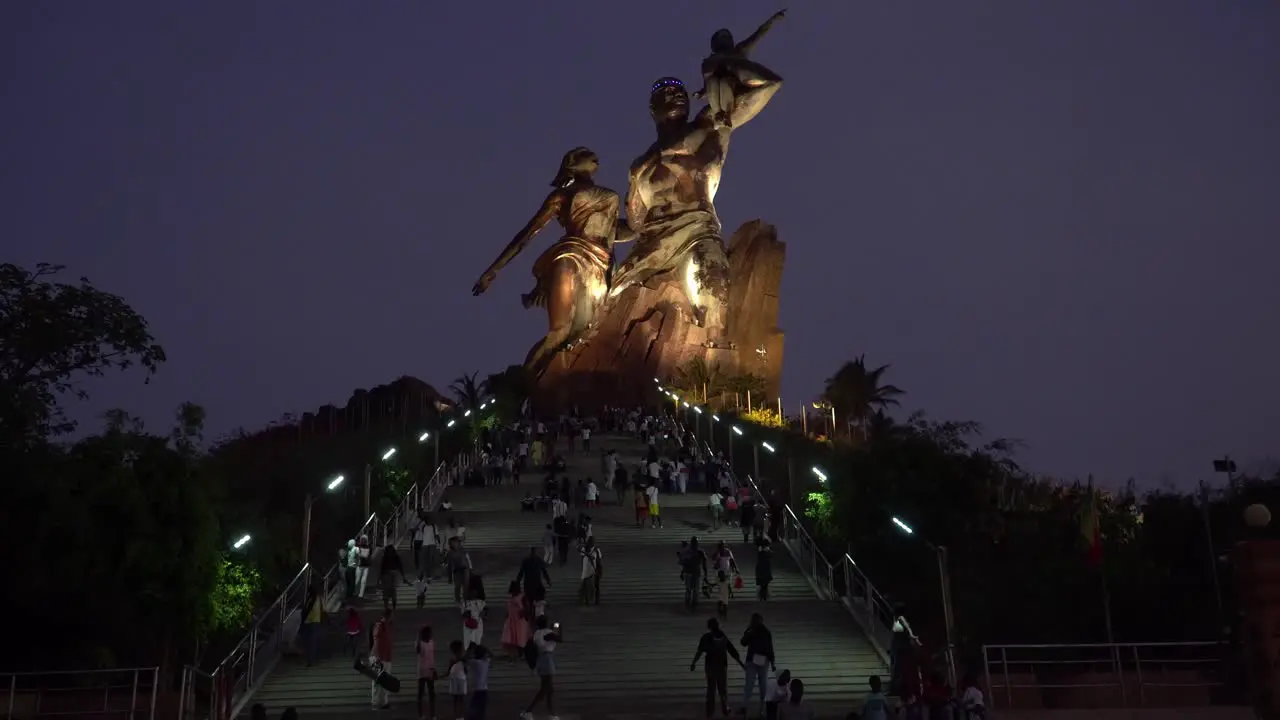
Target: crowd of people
[[673, 463]]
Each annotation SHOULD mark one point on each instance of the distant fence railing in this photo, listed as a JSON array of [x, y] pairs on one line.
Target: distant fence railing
[[118, 693], [1154, 674], [864, 602], [224, 692]]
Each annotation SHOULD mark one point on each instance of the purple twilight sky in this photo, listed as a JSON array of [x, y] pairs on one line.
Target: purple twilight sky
[[1057, 218]]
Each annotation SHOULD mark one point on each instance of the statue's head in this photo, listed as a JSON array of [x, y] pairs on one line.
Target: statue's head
[[579, 162], [668, 100], [722, 41]]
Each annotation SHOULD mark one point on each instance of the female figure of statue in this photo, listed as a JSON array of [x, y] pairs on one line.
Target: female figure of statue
[[572, 275]]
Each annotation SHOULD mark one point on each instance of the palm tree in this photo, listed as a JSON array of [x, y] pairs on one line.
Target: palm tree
[[511, 387], [857, 394], [696, 379], [467, 391]]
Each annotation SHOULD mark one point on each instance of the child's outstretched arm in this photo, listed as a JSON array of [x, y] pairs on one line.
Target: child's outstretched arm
[[746, 46]]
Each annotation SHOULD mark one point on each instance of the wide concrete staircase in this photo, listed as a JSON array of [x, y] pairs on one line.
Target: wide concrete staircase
[[625, 658]]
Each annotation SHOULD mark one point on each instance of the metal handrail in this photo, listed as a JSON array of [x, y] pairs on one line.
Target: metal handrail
[[1100, 670], [864, 602], [25, 701], [231, 684]]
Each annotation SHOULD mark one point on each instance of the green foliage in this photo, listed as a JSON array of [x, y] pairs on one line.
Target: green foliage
[[235, 596], [764, 417], [1018, 561], [128, 515], [50, 333]]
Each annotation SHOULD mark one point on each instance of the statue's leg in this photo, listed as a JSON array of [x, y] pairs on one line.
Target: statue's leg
[[752, 74], [720, 97], [636, 270], [561, 301]]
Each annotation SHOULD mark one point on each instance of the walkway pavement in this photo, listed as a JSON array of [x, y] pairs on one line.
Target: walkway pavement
[[626, 658]]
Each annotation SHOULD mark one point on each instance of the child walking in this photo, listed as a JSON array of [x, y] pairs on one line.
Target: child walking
[[426, 652], [355, 628], [458, 678]]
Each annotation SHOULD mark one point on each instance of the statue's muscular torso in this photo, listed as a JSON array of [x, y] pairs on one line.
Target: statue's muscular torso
[[679, 175]]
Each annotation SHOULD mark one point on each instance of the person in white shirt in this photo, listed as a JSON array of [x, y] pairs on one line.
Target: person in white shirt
[[559, 508], [545, 638], [592, 568], [472, 623], [655, 515], [363, 553], [593, 493], [586, 439], [972, 701], [716, 504], [682, 477]]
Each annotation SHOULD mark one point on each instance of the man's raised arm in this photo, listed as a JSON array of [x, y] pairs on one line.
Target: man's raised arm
[[761, 85]]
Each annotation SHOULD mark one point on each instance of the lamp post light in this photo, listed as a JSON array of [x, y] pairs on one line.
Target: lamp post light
[[435, 448], [240, 543], [755, 451], [368, 478], [944, 579], [310, 500], [735, 430], [697, 420]]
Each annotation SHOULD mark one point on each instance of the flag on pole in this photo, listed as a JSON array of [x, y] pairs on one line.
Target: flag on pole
[[1090, 527]]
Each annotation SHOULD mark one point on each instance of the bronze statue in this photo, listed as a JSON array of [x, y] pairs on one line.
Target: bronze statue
[[572, 274], [724, 69], [670, 202]]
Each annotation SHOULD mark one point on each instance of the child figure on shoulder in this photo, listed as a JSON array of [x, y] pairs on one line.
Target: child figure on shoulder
[[727, 70]]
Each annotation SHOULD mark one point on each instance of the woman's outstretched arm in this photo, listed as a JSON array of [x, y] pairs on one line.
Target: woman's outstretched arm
[[550, 208]]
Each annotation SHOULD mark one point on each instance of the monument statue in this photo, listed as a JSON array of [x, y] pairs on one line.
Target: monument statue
[[727, 68], [671, 198], [572, 274]]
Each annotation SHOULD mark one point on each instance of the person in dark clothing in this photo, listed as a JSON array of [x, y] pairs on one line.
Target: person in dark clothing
[[536, 580], [391, 566], [747, 519], [564, 533], [620, 482], [775, 519], [760, 659], [764, 567], [715, 645]]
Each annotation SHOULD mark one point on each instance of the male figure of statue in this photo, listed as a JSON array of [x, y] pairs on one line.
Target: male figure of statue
[[670, 202]]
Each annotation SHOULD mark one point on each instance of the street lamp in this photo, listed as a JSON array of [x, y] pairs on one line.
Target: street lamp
[[823, 478], [436, 448], [736, 431], [306, 516], [944, 579], [240, 543]]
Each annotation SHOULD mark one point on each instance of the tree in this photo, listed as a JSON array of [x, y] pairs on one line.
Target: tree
[[697, 379], [857, 394], [746, 385], [467, 391], [235, 596], [510, 388], [50, 333], [130, 515]]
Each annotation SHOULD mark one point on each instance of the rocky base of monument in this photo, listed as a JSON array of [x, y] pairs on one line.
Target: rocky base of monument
[[648, 332]]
